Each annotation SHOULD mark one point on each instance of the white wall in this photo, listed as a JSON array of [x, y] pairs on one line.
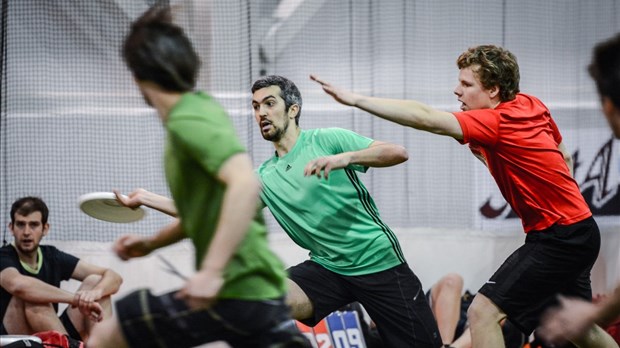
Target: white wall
[[430, 252]]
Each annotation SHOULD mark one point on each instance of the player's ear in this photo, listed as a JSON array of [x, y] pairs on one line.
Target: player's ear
[[46, 228], [494, 92], [608, 107], [293, 110]]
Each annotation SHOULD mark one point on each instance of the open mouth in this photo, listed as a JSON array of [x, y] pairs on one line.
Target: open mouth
[[265, 126]]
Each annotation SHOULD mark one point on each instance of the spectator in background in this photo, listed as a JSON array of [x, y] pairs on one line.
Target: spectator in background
[[30, 276]]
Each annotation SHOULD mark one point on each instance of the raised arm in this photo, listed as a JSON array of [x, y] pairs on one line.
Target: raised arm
[[152, 200], [378, 154], [238, 209], [408, 113]]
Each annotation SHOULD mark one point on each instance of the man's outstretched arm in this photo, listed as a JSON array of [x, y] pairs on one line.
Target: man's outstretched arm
[[408, 113]]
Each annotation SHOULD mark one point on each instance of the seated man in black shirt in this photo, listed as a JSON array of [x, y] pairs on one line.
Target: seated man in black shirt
[[30, 276]]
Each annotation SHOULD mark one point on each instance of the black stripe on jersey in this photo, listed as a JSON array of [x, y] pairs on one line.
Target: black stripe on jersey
[[364, 197]]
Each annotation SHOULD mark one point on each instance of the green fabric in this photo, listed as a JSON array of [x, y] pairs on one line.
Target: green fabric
[[335, 219], [200, 139]]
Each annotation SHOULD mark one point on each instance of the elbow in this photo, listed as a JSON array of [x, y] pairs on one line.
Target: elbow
[[118, 281], [18, 289], [401, 155]]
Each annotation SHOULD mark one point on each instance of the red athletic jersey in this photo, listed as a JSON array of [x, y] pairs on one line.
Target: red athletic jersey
[[519, 140]]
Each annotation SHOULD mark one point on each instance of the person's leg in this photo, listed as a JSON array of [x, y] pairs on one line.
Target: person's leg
[[299, 303], [446, 305], [396, 302], [596, 337], [14, 321], [22, 318], [484, 319], [528, 282], [81, 323], [107, 334], [314, 292]]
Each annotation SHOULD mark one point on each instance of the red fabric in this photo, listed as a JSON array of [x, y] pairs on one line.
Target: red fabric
[[56, 339], [614, 330], [519, 141]]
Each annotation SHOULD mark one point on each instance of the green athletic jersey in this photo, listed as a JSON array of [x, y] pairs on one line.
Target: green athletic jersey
[[200, 139], [335, 219]]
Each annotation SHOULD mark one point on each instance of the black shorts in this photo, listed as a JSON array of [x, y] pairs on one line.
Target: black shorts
[[554, 261], [71, 330], [393, 298], [163, 321]]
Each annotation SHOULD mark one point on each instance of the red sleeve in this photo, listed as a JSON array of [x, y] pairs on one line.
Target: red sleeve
[[479, 126]]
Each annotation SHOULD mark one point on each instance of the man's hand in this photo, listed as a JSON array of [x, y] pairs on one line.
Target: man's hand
[[85, 298], [89, 309], [200, 291], [568, 321], [340, 95], [326, 165], [130, 246], [132, 200]]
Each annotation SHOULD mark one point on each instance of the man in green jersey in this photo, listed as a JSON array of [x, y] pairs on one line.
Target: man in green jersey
[[237, 293], [311, 187]]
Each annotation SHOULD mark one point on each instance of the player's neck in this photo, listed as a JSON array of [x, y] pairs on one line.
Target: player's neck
[[288, 141], [165, 102], [29, 258]]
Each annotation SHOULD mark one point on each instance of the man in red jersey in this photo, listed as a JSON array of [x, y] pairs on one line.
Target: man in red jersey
[[516, 138]]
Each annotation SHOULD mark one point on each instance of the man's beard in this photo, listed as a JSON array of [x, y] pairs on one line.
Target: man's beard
[[32, 248], [277, 133]]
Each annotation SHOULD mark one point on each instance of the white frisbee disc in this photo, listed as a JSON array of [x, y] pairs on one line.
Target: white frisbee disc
[[103, 206]]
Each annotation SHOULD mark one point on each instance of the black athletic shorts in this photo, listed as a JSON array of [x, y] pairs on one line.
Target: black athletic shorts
[[554, 261], [393, 298], [71, 330], [163, 321]]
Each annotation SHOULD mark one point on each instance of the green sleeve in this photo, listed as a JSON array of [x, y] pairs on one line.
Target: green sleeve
[[339, 140], [209, 140]]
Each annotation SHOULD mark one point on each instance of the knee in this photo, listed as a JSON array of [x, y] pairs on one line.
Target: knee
[[452, 281], [90, 282], [32, 310], [106, 334], [298, 302], [484, 312]]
